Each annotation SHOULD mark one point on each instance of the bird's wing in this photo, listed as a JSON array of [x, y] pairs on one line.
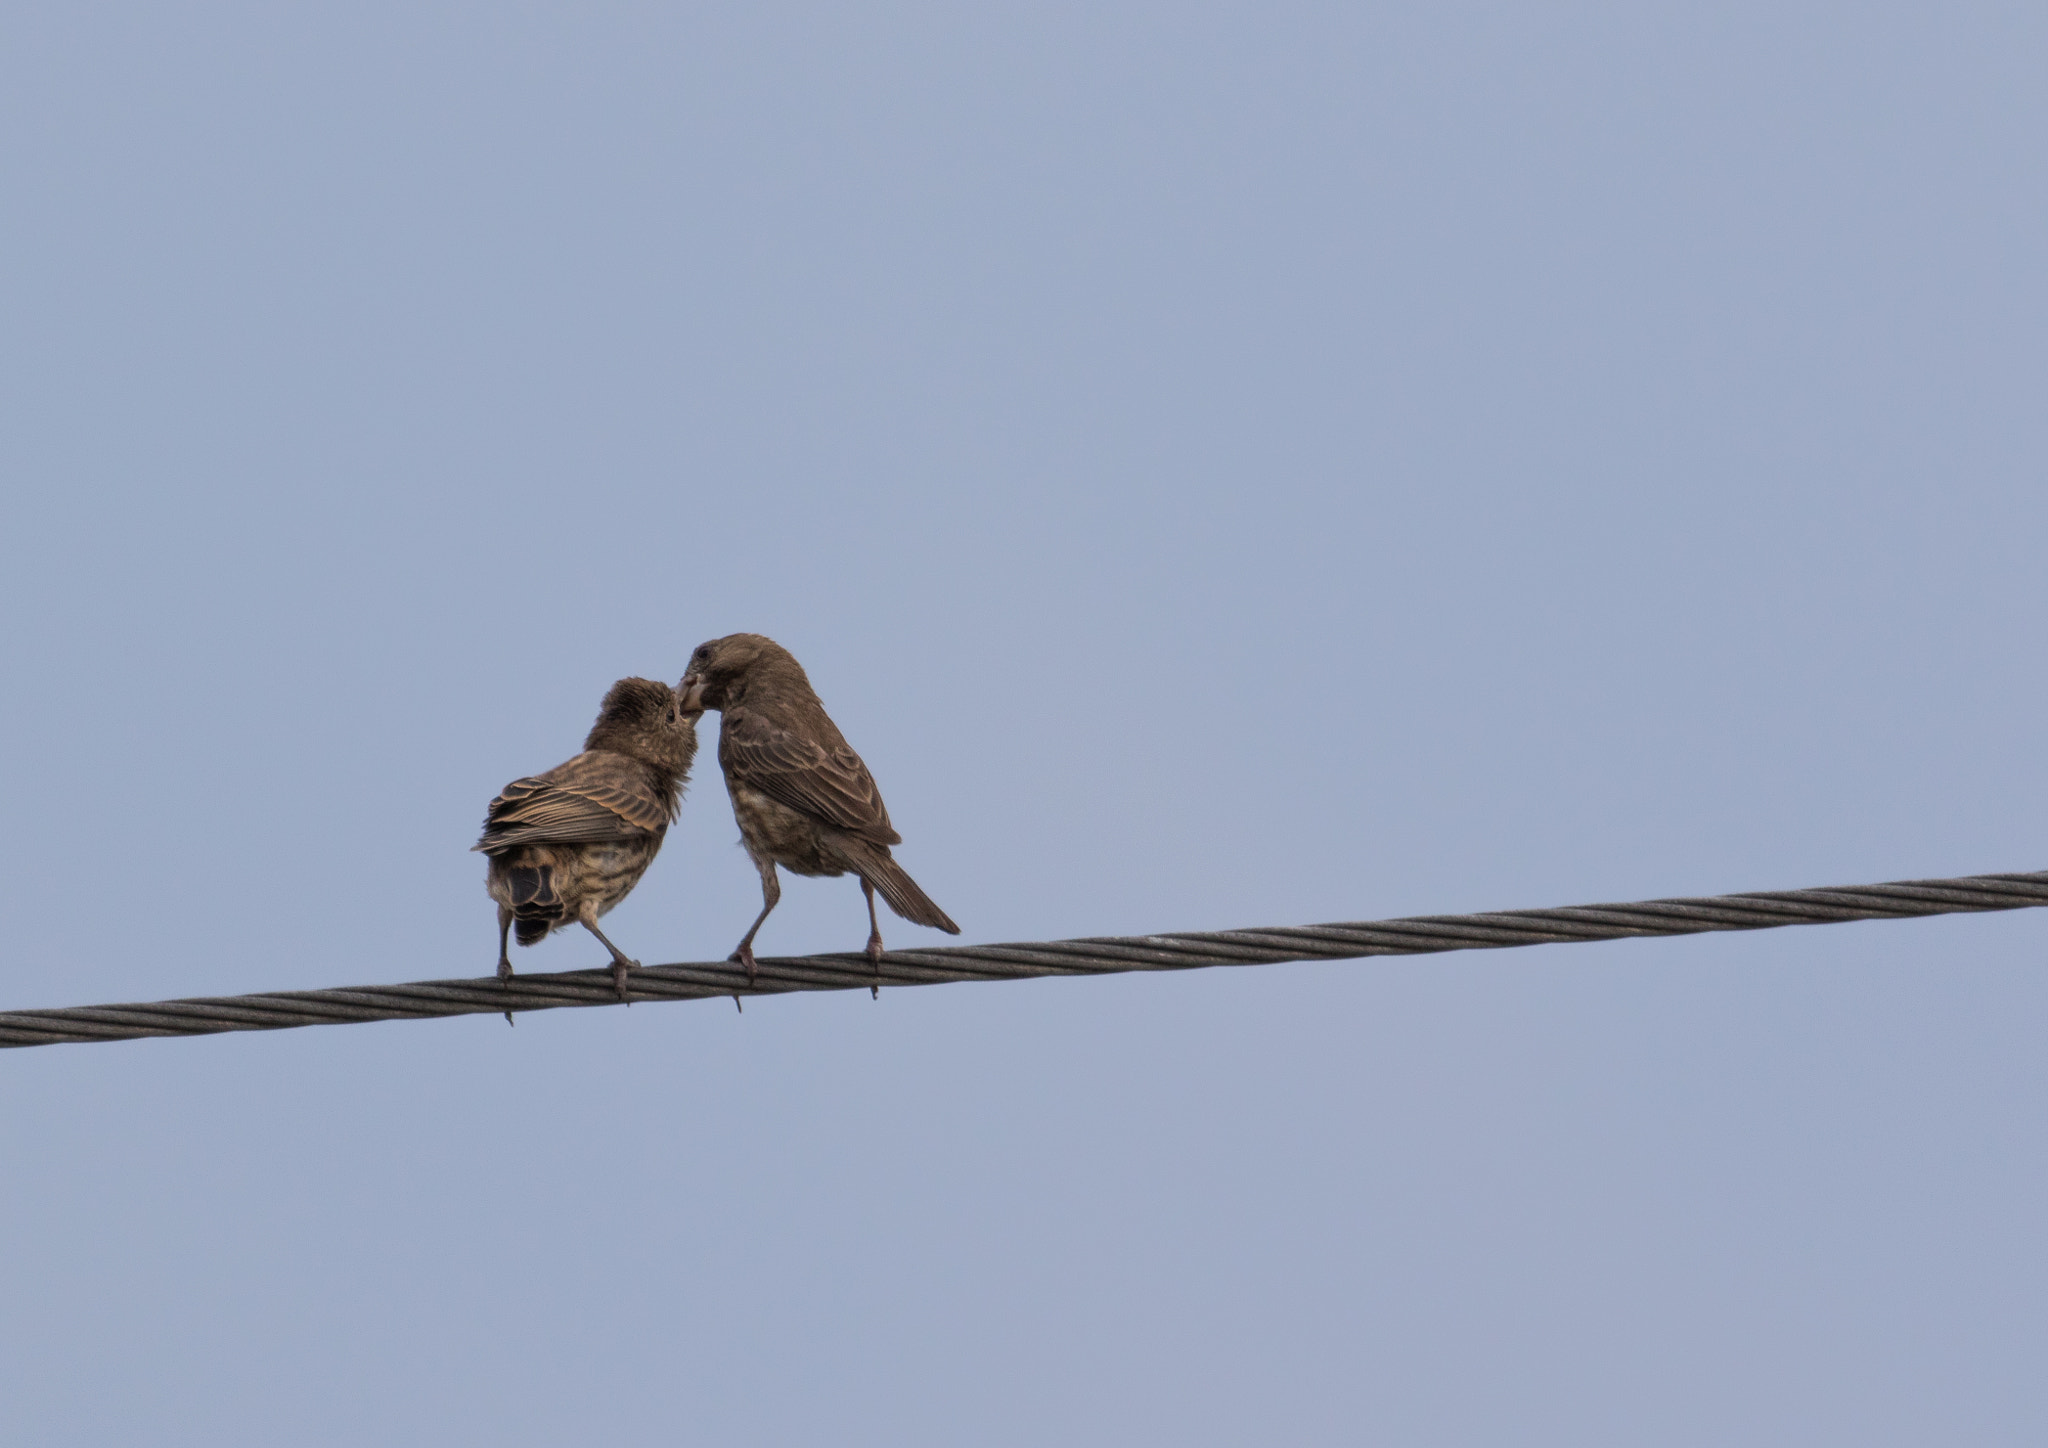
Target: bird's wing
[[829, 784], [594, 797]]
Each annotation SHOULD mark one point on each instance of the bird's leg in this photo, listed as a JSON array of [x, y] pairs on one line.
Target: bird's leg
[[621, 962], [504, 956], [771, 895], [504, 932], [874, 939]]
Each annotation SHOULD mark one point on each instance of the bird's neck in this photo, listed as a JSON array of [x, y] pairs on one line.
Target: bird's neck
[[661, 767], [771, 681]]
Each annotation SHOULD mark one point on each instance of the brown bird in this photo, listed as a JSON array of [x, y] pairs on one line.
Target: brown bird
[[568, 845], [802, 797]]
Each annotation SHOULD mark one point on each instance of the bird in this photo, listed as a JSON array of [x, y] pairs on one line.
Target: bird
[[568, 845], [803, 798]]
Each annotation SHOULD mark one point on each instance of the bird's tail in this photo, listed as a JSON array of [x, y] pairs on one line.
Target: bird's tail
[[880, 870], [536, 904]]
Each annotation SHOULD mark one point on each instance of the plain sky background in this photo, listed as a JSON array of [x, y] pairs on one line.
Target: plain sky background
[[1222, 465]]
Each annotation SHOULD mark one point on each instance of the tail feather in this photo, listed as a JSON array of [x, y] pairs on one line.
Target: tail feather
[[536, 903], [532, 885], [880, 870]]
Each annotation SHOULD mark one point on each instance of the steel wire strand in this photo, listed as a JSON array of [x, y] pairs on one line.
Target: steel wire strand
[[1185, 950]]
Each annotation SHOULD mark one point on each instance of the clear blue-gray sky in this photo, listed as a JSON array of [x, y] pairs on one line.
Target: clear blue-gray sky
[[1221, 465]]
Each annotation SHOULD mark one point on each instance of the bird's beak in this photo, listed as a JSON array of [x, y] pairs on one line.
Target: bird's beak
[[692, 690]]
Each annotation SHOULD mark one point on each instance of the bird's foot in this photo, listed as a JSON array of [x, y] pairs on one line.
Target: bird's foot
[[504, 968], [619, 969], [744, 956], [875, 958]]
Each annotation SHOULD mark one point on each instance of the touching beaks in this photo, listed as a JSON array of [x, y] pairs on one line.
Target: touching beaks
[[692, 691]]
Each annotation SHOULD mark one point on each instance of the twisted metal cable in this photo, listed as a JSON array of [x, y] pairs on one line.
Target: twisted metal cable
[[1414, 935]]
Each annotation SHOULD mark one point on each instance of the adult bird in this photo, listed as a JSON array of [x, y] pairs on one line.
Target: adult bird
[[568, 845], [803, 798]]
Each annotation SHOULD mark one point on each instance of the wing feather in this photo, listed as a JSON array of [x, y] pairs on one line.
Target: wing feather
[[828, 783], [597, 796]]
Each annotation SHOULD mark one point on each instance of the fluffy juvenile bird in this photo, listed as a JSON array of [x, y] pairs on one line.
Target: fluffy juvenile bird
[[568, 845], [802, 797]]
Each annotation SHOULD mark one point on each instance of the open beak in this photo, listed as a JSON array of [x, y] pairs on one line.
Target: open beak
[[692, 691]]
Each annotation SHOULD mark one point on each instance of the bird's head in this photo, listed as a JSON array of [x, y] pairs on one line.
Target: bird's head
[[717, 668], [648, 720]]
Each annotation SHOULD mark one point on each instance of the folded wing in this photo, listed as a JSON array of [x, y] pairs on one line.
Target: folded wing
[[594, 797], [829, 784]]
